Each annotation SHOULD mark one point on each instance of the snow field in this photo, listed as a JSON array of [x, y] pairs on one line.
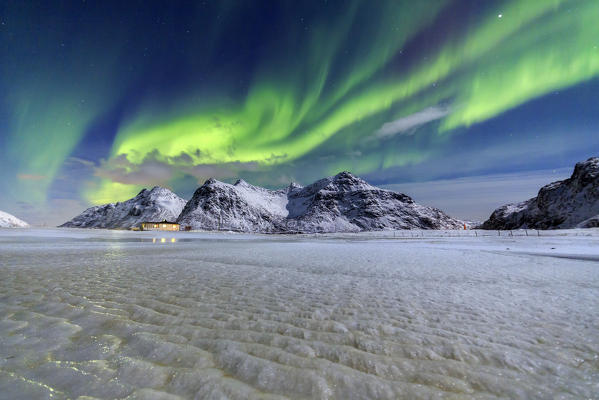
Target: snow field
[[113, 314]]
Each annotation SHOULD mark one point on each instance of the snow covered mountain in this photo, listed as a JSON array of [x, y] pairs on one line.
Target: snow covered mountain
[[573, 202], [244, 207], [10, 221], [156, 204], [342, 203]]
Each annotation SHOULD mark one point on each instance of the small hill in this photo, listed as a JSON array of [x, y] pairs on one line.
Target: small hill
[[156, 204], [10, 221]]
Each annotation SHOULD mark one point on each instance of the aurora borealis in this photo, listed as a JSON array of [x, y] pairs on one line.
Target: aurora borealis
[[100, 99]]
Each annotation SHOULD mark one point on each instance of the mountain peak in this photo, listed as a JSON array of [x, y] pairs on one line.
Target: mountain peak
[[146, 191], [348, 177], [586, 171], [345, 175], [156, 204], [345, 181]]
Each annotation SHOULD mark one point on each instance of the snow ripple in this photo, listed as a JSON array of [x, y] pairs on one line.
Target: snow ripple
[[270, 318]]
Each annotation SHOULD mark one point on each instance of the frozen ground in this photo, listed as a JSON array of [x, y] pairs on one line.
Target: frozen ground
[[109, 314]]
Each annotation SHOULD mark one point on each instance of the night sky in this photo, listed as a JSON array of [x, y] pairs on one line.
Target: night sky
[[462, 104]]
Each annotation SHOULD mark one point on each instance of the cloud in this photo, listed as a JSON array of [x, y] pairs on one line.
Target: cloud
[[183, 158], [157, 169], [31, 177], [81, 161], [275, 158], [407, 125], [147, 173], [120, 169], [220, 171]]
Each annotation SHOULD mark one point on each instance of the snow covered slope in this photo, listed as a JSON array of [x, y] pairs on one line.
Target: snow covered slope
[[217, 205], [156, 204], [10, 221], [570, 203], [342, 203]]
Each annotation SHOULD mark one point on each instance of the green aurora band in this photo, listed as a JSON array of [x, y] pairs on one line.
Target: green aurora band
[[489, 70], [330, 87], [54, 93]]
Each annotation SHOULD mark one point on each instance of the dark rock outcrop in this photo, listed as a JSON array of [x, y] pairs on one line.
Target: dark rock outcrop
[[573, 202]]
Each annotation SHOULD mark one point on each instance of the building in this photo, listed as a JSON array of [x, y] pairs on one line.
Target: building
[[159, 226]]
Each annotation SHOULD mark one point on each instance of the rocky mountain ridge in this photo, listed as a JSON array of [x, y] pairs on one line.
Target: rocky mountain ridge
[[341, 203], [571, 203]]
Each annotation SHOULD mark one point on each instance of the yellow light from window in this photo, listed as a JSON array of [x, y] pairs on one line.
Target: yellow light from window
[[163, 240]]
